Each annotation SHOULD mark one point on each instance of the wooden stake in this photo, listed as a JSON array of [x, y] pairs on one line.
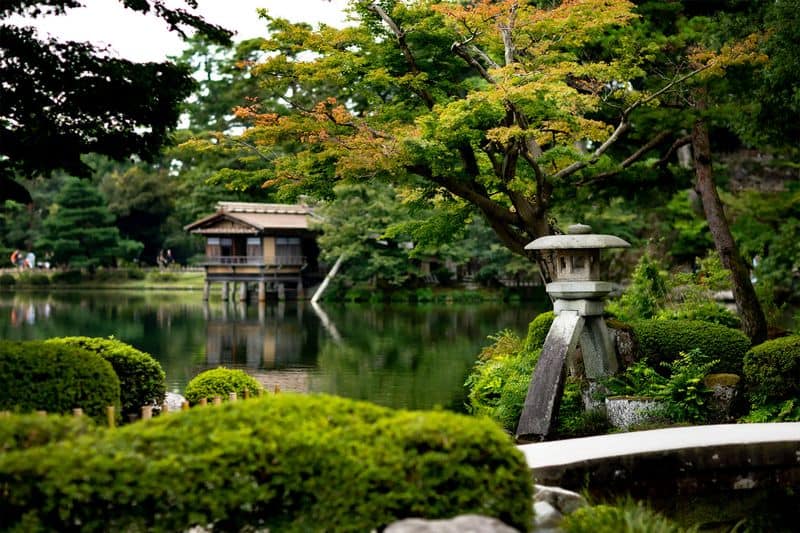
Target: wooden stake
[[184, 405], [77, 412], [41, 413], [110, 417], [164, 408], [203, 401], [277, 388], [217, 400], [232, 397], [246, 394], [147, 412]]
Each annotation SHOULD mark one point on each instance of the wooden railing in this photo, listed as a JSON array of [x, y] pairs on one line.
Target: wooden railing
[[256, 260]]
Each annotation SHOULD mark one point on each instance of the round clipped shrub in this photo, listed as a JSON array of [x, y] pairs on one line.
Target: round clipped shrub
[[220, 382], [537, 331], [281, 463], [56, 378], [7, 280], [20, 432], [141, 378], [772, 370], [662, 341]]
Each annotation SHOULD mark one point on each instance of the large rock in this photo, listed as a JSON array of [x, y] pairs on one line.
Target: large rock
[[562, 500], [460, 524]]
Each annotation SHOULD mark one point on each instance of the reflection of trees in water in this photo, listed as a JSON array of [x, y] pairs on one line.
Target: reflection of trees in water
[[409, 356]]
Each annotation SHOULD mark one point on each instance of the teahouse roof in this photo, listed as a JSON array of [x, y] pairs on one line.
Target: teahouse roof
[[251, 218]]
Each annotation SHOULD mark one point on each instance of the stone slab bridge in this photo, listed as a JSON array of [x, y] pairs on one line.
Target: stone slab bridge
[[663, 462]]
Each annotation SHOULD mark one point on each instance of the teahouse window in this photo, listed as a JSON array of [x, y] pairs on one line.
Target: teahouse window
[[288, 247], [254, 247]]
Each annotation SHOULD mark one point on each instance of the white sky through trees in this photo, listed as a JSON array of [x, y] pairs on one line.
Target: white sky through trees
[[146, 38]]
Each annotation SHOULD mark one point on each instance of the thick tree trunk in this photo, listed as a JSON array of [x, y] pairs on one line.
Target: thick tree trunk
[[754, 323]]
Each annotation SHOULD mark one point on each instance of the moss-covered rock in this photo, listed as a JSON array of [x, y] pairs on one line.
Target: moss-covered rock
[[142, 380], [56, 378], [537, 331], [284, 462], [220, 382]]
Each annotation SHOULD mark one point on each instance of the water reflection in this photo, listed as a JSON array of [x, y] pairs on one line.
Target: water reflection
[[398, 355]]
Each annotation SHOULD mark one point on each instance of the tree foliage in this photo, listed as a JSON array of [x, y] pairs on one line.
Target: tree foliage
[[61, 100]]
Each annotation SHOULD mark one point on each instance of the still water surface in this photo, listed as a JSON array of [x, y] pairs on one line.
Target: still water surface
[[413, 356]]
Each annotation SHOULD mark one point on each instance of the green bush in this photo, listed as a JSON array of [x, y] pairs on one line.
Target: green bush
[[141, 378], [772, 371], [67, 277], [538, 329], [135, 273], [162, 277], [662, 341], [20, 432], [628, 517], [56, 378], [284, 462], [220, 382], [34, 279], [708, 311], [7, 280]]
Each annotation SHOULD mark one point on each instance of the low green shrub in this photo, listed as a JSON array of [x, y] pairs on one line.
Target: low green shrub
[[57, 378], [162, 277], [661, 341], [707, 311], [285, 462], [34, 279], [141, 378], [20, 432], [105, 275], [220, 382], [7, 280], [135, 273], [772, 371], [627, 517], [67, 277], [538, 329]]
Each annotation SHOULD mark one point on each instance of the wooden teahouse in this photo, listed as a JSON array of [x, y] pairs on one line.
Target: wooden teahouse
[[270, 245]]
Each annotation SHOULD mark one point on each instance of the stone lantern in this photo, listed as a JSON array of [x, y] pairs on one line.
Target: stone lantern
[[578, 293]]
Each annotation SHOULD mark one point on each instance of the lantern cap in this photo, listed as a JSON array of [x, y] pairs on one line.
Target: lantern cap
[[578, 237]]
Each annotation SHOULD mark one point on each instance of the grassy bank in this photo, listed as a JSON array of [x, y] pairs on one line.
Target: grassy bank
[[104, 279]]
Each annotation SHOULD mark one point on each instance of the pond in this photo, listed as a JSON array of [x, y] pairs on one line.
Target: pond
[[412, 356]]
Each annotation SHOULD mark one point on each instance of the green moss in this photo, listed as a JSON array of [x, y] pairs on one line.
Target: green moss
[[287, 463], [56, 378], [141, 378], [662, 341], [772, 371], [220, 382], [538, 329]]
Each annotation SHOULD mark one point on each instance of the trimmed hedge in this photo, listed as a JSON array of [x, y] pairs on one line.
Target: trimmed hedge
[[662, 341], [538, 330], [772, 371], [141, 378], [283, 462], [20, 432], [57, 378], [220, 382]]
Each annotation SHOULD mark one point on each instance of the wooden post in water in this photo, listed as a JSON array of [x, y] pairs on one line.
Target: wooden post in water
[[111, 417], [147, 412]]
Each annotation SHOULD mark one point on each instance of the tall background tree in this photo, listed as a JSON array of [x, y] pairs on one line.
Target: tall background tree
[[62, 100]]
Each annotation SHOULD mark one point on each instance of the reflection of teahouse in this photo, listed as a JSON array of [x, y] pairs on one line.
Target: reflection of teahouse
[[270, 245]]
